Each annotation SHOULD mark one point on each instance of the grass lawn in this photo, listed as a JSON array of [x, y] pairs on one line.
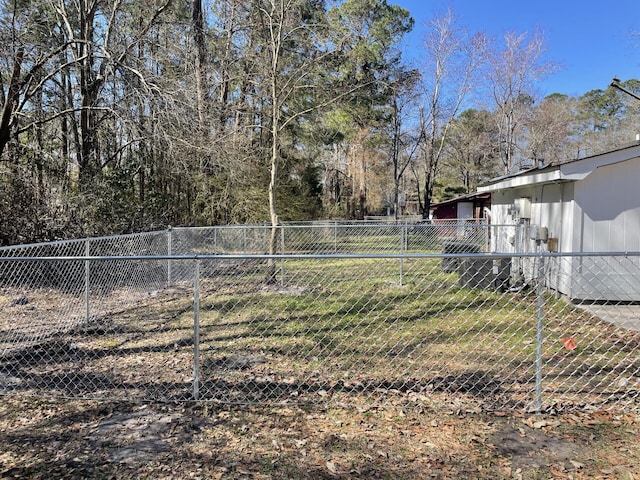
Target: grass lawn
[[376, 331]]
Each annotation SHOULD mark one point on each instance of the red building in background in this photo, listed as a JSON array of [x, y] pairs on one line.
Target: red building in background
[[467, 207]]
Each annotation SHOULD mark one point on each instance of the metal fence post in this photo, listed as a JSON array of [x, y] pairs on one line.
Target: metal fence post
[[265, 237], [282, 250], [539, 334], [403, 239], [244, 239], [169, 252], [196, 331], [87, 281]]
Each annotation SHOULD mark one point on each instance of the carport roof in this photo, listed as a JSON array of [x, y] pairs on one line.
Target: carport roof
[[463, 198]]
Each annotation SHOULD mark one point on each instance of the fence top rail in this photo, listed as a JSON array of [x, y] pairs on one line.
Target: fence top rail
[[79, 240], [344, 224], [286, 225], [283, 256], [368, 225], [219, 227]]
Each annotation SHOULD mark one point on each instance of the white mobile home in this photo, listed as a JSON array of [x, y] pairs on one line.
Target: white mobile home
[[587, 205]]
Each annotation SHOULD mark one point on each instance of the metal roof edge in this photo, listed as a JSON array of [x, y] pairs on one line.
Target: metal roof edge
[[468, 196], [564, 172], [524, 179]]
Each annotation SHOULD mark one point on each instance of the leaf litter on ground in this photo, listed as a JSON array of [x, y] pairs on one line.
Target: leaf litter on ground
[[91, 439]]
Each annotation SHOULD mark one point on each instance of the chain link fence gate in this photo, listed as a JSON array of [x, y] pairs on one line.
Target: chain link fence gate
[[360, 314]]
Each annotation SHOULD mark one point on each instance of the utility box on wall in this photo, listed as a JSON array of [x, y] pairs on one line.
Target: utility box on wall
[[523, 205], [539, 234]]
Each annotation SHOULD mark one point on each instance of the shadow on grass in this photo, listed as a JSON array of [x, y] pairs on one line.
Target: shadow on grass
[[357, 331]]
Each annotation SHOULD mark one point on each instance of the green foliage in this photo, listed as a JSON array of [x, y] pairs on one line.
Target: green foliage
[[602, 108], [453, 191], [367, 32]]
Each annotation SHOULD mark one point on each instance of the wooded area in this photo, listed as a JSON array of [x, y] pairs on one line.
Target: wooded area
[[120, 116]]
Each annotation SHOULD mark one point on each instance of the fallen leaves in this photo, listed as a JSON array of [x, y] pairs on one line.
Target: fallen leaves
[[559, 474], [541, 423], [210, 441], [576, 465], [331, 466]]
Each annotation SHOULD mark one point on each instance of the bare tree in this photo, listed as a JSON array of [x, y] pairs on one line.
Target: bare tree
[[31, 66], [198, 24], [403, 147], [453, 58], [513, 72], [471, 156], [550, 130], [290, 69]]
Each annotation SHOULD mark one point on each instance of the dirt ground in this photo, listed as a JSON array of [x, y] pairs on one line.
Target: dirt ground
[[101, 440]]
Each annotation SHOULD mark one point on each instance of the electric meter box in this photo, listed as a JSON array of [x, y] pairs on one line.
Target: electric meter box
[[523, 206], [539, 234], [543, 234]]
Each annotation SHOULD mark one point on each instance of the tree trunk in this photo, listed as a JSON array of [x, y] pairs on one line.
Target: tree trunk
[[426, 204], [11, 101], [90, 83], [200, 64]]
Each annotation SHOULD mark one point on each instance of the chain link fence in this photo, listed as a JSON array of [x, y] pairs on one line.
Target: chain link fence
[[357, 314]]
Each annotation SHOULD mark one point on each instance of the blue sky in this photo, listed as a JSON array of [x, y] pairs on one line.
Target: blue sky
[[591, 40]]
